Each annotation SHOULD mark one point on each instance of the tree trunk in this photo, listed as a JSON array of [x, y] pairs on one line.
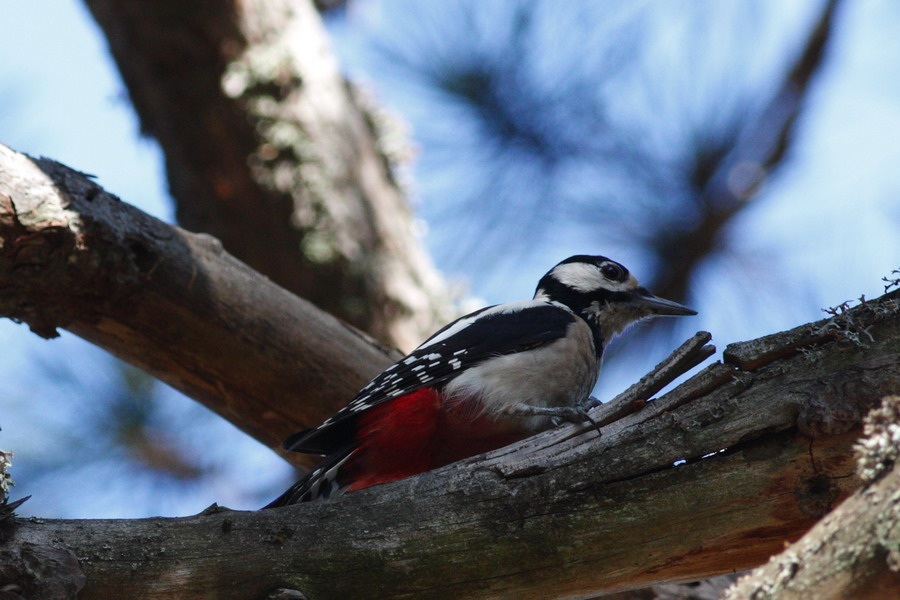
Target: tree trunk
[[271, 151]]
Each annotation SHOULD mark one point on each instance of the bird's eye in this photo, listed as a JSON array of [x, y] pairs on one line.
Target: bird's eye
[[613, 272]]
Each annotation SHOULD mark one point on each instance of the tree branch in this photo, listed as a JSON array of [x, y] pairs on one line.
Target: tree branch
[[709, 478], [172, 303]]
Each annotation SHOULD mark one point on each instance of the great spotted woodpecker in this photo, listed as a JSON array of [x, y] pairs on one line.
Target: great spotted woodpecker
[[486, 380]]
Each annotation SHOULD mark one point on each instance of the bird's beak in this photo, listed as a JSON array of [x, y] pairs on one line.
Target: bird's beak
[[660, 306]]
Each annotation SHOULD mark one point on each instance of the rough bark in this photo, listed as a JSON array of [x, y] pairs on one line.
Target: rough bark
[[269, 150], [170, 302], [853, 553], [711, 477]]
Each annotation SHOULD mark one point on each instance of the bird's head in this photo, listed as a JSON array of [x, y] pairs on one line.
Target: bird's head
[[604, 293]]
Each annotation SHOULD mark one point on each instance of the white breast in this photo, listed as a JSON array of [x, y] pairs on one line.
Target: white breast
[[562, 373]]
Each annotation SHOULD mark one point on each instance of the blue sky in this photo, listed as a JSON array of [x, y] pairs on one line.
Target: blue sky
[[825, 232], [842, 181]]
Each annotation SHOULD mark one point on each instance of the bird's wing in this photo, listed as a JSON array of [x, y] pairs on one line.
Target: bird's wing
[[491, 331]]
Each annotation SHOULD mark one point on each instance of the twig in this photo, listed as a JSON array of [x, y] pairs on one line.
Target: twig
[[687, 356], [7, 508]]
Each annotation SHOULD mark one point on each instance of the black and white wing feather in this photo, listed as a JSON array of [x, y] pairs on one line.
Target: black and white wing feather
[[321, 482], [464, 343]]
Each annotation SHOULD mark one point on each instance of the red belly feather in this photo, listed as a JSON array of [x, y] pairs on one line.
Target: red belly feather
[[418, 432]]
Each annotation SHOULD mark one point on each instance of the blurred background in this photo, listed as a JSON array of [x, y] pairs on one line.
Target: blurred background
[[739, 156]]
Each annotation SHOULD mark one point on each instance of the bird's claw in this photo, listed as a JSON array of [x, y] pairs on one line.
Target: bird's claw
[[567, 414], [577, 415]]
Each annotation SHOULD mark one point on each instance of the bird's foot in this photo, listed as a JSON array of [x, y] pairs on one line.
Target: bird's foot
[[560, 414]]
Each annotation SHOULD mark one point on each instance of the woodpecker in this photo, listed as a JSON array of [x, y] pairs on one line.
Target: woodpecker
[[490, 378]]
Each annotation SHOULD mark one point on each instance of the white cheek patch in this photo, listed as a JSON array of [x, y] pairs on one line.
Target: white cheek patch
[[583, 277]]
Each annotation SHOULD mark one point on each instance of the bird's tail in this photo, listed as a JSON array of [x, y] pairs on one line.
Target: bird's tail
[[323, 482]]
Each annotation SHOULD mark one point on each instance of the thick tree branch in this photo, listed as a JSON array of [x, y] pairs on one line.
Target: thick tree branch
[[269, 150], [712, 477], [170, 302]]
